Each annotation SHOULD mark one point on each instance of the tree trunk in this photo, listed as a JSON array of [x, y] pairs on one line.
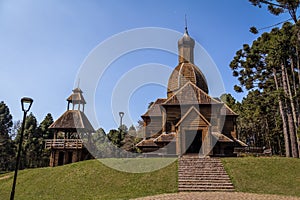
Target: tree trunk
[[298, 68], [294, 142], [278, 138], [294, 111], [283, 117], [268, 136], [293, 100]]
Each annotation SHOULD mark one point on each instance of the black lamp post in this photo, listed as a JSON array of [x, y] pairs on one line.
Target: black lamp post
[[26, 103], [121, 114]]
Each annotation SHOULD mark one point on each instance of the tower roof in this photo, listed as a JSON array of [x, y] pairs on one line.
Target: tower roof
[[186, 39], [76, 97], [72, 120]]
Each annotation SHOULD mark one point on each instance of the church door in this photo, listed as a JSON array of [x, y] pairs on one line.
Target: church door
[[193, 141]]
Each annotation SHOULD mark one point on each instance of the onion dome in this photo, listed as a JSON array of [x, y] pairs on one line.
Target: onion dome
[[186, 39], [186, 46], [184, 73]]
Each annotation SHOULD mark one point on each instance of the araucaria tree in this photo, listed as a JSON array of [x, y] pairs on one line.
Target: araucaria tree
[[6, 145], [271, 65]]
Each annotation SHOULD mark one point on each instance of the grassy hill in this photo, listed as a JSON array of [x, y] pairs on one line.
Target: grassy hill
[[272, 175], [88, 180], [93, 180]]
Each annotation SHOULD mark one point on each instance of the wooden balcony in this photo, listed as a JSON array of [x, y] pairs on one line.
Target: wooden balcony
[[64, 144]]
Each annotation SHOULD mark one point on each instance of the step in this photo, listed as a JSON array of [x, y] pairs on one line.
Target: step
[[207, 186], [203, 174], [204, 178], [196, 181], [190, 171], [204, 190]]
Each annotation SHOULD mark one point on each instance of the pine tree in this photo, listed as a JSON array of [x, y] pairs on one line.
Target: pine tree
[[102, 147], [293, 118], [7, 148], [267, 65], [30, 141], [44, 133]]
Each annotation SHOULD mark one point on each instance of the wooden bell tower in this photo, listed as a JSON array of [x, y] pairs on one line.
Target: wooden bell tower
[[67, 145]]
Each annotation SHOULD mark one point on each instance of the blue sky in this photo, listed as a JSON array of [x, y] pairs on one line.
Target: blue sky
[[44, 44]]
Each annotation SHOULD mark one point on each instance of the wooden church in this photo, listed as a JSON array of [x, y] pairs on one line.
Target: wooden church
[[189, 121], [71, 129]]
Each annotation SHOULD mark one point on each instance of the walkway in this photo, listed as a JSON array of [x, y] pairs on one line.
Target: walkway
[[217, 196]]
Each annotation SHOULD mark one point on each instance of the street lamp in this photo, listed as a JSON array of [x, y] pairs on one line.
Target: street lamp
[[26, 103], [121, 114]]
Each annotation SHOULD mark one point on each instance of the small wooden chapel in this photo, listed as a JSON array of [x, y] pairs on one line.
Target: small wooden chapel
[[189, 120], [70, 128]]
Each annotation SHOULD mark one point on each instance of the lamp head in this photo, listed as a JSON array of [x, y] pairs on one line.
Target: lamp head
[[26, 103], [121, 114]]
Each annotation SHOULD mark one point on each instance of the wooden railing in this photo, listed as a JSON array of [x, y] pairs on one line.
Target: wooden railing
[[257, 151], [64, 144]]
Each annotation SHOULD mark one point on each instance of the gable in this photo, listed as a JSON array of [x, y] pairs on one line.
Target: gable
[[193, 118], [190, 94]]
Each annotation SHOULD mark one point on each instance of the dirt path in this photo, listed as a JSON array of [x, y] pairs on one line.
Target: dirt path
[[217, 196], [4, 177]]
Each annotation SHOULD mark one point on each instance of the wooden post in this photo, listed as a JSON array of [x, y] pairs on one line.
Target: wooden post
[[163, 121], [178, 142]]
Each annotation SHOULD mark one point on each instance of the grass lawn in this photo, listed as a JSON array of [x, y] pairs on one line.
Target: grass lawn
[[272, 175], [88, 180], [94, 180]]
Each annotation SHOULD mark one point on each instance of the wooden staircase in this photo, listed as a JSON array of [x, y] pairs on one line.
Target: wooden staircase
[[203, 174]]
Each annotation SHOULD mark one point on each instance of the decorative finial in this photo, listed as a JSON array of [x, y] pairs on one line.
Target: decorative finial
[[78, 83], [186, 29]]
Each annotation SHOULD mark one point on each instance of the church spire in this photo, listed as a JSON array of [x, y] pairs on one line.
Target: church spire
[[186, 28], [186, 47]]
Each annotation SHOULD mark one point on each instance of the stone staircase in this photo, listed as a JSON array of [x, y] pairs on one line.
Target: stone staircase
[[203, 174]]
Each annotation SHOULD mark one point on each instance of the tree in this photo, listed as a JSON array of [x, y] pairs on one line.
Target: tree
[[44, 127], [281, 6], [7, 150], [130, 140], [43, 133], [231, 102], [258, 119], [117, 136], [28, 152], [267, 65], [102, 148]]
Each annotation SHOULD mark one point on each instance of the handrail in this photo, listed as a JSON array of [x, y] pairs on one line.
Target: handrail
[[64, 143], [248, 149]]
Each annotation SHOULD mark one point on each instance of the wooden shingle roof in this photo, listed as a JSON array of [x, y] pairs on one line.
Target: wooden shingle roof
[[165, 137], [155, 109], [190, 94], [72, 120], [147, 143], [221, 137], [183, 73]]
